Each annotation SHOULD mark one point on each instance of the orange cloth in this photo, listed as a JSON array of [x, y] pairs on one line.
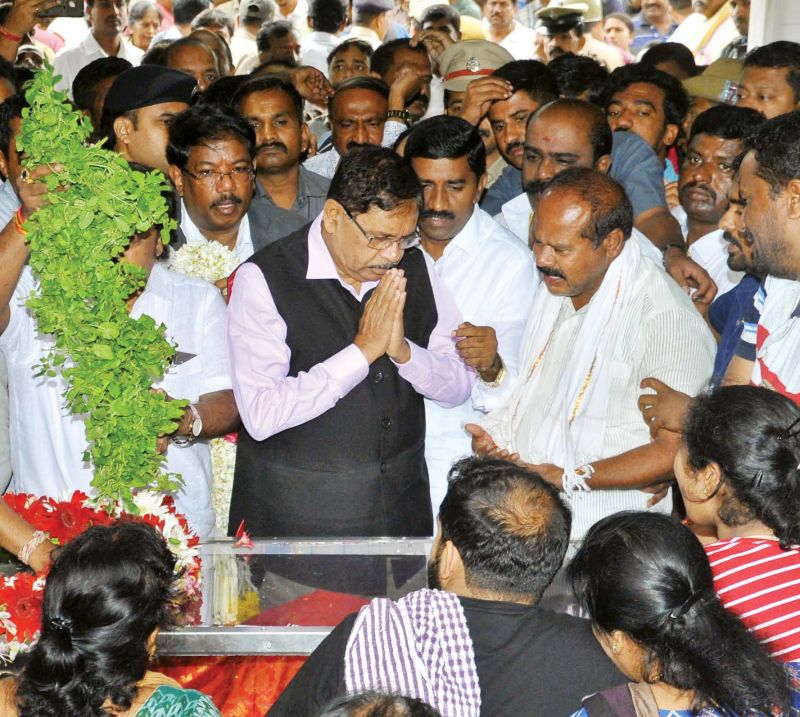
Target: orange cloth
[[239, 686]]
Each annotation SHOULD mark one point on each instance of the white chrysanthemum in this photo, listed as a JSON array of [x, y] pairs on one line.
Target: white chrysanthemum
[[210, 261], [223, 462]]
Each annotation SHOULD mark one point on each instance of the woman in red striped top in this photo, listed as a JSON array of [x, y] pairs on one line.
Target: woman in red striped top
[[739, 473]]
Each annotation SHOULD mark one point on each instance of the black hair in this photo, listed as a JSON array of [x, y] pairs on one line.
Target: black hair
[[223, 91], [753, 435], [782, 53], [84, 86], [532, 77], [727, 122], [277, 66], [610, 207], [676, 100], [276, 29], [184, 11], [327, 15], [10, 108], [383, 57], [670, 52], [577, 74], [364, 47], [271, 83], [364, 16], [444, 137], [211, 17], [359, 83], [600, 135], [139, 9], [442, 12], [624, 18], [648, 576], [220, 49], [202, 123], [776, 144], [374, 177], [106, 593], [510, 527], [376, 704]]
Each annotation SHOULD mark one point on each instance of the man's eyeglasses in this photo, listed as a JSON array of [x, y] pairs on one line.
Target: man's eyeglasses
[[383, 244], [212, 177]]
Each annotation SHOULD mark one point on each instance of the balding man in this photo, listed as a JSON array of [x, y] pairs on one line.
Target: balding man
[[604, 318], [503, 533]]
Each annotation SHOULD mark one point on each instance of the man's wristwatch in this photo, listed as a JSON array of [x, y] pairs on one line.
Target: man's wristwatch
[[402, 115], [195, 429]]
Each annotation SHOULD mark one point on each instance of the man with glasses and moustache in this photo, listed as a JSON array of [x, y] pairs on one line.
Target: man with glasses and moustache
[[336, 334]]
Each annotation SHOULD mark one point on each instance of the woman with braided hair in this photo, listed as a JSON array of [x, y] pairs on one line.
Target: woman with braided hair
[[107, 595], [647, 586]]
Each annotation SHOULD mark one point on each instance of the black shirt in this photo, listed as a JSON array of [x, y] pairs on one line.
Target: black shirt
[[530, 662]]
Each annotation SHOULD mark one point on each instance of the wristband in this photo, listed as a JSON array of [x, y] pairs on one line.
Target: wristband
[[19, 222], [402, 115], [674, 245], [9, 35], [27, 550]]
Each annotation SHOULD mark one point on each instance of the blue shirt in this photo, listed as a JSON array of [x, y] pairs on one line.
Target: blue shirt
[[645, 34], [727, 315]]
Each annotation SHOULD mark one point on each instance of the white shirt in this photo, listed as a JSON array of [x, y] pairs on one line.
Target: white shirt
[[520, 42], [663, 336], [315, 48], [71, 60], [711, 252], [368, 35], [326, 163], [515, 215], [47, 441], [243, 43], [491, 276], [244, 243]]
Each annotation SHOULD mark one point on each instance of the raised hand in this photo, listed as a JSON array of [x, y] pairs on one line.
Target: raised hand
[[478, 349]]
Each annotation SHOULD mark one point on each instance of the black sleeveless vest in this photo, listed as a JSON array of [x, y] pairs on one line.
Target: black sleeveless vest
[[359, 468]]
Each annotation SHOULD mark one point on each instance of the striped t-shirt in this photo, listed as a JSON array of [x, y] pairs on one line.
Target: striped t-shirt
[[760, 583]]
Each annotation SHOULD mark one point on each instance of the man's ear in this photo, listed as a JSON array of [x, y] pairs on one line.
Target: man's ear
[[793, 195], [481, 186], [670, 134], [614, 243], [4, 165], [303, 137], [176, 176], [332, 213], [603, 164], [451, 567], [123, 129]]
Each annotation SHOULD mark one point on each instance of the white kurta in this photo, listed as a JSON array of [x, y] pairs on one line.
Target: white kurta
[[662, 335], [47, 441], [491, 276], [71, 60]]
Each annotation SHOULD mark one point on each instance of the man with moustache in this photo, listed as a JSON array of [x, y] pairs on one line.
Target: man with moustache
[[707, 171], [359, 117], [210, 154], [502, 536], [287, 195], [487, 270], [336, 334], [665, 408], [771, 79], [604, 318]]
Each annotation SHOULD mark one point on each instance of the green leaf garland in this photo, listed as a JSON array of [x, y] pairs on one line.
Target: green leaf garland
[[109, 360]]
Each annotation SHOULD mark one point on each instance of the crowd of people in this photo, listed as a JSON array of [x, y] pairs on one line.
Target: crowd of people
[[522, 278]]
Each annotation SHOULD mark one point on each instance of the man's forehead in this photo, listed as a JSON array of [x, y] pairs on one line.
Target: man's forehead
[[518, 100], [640, 91], [357, 101], [704, 141]]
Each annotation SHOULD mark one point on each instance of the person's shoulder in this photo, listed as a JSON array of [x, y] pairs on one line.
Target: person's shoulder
[[316, 181], [501, 243], [177, 701]]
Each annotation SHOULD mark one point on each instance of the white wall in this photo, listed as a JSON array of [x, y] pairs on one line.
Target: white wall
[[774, 20]]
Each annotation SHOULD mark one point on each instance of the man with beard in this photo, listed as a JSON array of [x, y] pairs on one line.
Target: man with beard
[[715, 145], [107, 19], [604, 318], [336, 334], [359, 117], [398, 59], [287, 195], [462, 63], [502, 536], [487, 270], [210, 154]]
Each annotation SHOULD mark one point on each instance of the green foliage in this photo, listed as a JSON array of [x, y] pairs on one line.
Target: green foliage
[[109, 360]]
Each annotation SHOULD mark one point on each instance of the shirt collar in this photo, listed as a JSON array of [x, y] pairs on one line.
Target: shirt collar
[[468, 239], [195, 236]]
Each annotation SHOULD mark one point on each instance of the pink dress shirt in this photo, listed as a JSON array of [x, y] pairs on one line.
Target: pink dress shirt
[[270, 401]]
